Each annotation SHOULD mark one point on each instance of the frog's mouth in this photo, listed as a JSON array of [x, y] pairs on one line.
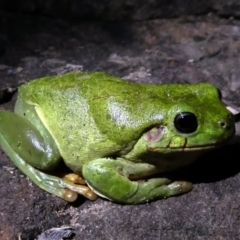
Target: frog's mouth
[[196, 148], [186, 148]]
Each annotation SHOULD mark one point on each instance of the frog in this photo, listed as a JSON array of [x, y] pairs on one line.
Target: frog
[[118, 138]]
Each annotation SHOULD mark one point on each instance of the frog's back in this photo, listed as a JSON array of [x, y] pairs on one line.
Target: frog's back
[[100, 85], [67, 106], [37, 90]]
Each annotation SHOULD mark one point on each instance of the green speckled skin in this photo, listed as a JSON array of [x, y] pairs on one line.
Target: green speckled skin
[[113, 131]]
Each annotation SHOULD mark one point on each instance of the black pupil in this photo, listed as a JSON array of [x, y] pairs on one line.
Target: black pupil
[[186, 122]]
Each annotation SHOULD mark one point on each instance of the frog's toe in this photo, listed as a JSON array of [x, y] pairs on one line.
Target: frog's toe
[[69, 195], [178, 187], [75, 178], [78, 189]]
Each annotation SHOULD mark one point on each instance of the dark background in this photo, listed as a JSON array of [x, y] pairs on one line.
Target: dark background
[[145, 41]]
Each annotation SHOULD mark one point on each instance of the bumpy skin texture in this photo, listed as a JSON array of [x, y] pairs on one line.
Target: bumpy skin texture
[[113, 132]]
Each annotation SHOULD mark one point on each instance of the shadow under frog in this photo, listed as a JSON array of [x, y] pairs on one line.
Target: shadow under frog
[[212, 166]]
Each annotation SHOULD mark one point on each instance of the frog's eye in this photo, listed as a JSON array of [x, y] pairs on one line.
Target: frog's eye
[[219, 94], [186, 122]]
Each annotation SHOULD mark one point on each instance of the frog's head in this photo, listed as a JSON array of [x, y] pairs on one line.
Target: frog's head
[[196, 120]]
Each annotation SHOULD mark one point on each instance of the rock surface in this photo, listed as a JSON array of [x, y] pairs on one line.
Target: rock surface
[[188, 49]]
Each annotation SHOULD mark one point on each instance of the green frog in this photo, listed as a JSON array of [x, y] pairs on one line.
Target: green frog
[[114, 135]]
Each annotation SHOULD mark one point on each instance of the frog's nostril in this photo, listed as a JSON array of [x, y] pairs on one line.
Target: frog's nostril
[[228, 123], [222, 124]]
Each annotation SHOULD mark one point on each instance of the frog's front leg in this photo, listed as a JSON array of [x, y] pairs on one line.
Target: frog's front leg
[[113, 179], [30, 151]]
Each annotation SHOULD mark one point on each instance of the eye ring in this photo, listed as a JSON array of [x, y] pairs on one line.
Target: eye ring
[[186, 122]]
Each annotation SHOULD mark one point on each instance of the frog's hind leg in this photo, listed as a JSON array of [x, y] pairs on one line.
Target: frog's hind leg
[[29, 150]]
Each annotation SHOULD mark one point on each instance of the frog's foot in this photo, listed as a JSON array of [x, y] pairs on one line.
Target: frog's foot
[[111, 179], [157, 188], [66, 188]]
